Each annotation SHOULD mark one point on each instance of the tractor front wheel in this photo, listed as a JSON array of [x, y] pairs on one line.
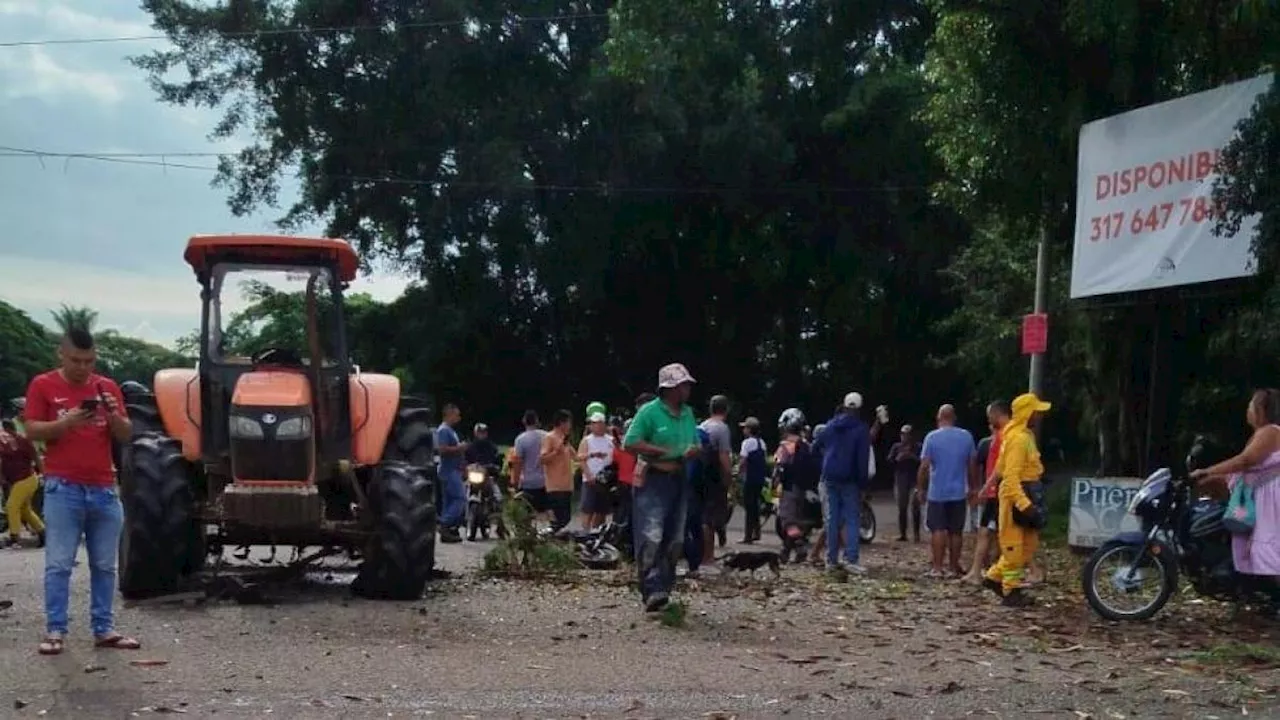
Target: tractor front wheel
[[160, 539], [399, 558]]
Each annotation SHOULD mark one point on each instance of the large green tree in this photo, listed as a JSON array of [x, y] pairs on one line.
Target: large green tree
[[25, 350], [592, 189], [128, 358]]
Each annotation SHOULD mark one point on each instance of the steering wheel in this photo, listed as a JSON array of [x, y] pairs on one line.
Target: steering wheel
[[276, 356]]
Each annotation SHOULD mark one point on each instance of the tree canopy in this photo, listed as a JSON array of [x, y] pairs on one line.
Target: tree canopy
[[795, 198]]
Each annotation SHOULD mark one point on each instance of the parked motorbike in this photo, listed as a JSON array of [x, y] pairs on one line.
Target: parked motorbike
[[1182, 533], [484, 502]]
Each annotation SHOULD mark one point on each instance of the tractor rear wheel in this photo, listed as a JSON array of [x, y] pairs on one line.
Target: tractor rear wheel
[[400, 556], [161, 541]]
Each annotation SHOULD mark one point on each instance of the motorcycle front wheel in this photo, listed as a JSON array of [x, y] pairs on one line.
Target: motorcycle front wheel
[[1124, 582], [473, 521], [602, 557], [867, 525]]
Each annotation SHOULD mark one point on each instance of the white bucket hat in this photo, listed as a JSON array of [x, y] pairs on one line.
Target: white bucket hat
[[674, 375]]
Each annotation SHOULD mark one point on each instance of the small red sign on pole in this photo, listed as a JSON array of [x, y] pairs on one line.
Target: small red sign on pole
[[1035, 334]]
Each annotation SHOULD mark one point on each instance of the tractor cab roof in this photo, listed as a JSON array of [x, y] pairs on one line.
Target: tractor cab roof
[[203, 251]]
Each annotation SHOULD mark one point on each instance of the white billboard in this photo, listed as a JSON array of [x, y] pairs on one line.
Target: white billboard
[[1100, 509], [1144, 215]]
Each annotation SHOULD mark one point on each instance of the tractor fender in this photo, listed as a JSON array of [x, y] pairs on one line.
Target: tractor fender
[[375, 399], [177, 394]]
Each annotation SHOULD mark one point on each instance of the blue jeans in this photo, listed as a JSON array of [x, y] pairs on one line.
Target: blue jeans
[[658, 515], [453, 510], [693, 529], [72, 510], [844, 506]]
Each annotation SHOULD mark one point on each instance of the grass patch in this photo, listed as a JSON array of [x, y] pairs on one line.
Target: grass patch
[[673, 614], [1237, 654]]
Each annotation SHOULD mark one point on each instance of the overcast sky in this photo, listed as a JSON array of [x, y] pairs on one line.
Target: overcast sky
[[106, 235]]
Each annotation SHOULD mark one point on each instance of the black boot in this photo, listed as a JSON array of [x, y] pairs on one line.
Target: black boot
[[1017, 598], [993, 586]]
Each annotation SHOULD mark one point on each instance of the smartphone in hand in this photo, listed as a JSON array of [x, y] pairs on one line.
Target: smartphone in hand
[[89, 404]]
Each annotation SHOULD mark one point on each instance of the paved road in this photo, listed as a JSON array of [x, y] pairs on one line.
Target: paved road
[[483, 648]]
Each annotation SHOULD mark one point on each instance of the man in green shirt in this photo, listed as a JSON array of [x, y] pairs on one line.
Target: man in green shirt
[[664, 436]]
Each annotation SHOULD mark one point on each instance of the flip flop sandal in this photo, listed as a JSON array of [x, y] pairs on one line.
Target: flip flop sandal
[[117, 642], [51, 645]]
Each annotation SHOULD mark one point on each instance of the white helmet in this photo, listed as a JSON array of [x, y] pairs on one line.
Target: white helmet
[[791, 419]]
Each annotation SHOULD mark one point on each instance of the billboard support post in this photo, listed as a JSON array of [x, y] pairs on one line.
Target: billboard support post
[[1036, 378]]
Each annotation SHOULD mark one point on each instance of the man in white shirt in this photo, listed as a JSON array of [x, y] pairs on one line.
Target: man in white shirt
[[595, 453]]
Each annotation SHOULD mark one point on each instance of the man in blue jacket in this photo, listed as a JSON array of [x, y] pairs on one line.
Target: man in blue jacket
[[845, 445]]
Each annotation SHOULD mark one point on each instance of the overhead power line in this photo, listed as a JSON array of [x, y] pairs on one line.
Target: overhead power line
[[315, 30], [160, 160]]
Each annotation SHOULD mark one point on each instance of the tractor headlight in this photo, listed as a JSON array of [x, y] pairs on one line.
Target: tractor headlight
[[294, 428], [476, 477], [245, 428]]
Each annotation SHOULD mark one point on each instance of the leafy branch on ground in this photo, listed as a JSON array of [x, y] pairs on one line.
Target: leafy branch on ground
[[523, 553]]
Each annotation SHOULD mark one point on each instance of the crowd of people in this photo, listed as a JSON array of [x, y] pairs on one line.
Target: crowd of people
[[678, 476]]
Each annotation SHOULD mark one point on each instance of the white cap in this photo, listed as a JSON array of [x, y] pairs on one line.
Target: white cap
[[674, 375], [596, 417], [853, 400]]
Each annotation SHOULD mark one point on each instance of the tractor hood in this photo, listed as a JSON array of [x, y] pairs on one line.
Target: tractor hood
[[273, 389]]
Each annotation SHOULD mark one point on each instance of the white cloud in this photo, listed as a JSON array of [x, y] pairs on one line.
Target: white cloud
[[46, 284], [30, 72], [159, 308], [64, 21]]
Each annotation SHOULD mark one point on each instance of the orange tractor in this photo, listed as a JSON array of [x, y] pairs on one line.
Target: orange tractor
[[290, 445]]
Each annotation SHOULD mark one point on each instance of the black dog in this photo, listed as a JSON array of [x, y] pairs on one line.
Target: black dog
[[753, 561]]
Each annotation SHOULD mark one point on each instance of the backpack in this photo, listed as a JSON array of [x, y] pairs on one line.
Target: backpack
[[706, 466], [804, 470]]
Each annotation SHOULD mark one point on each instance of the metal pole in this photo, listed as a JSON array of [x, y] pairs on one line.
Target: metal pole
[[1150, 456], [1036, 380]]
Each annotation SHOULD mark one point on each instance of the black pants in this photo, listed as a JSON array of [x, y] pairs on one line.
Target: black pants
[[561, 506], [903, 486], [751, 492], [694, 527]]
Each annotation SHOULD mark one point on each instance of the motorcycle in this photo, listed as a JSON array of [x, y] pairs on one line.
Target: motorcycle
[[1182, 533], [867, 522], [618, 527], [484, 502], [595, 548]]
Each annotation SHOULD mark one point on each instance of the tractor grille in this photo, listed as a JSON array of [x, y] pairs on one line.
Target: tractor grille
[[269, 459]]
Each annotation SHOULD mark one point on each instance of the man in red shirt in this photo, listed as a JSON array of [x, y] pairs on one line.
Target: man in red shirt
[[998, 415], [19, 463], [78, 414]]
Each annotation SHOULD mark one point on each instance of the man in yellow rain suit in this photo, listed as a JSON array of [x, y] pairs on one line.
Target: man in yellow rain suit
[[1018, 472]]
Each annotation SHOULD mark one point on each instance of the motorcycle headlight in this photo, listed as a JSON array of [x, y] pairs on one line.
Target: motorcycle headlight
[[475, 477], [294, 428], [245, 428]]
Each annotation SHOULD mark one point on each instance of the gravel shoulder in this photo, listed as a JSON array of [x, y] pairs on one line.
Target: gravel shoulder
[[891, 645]]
